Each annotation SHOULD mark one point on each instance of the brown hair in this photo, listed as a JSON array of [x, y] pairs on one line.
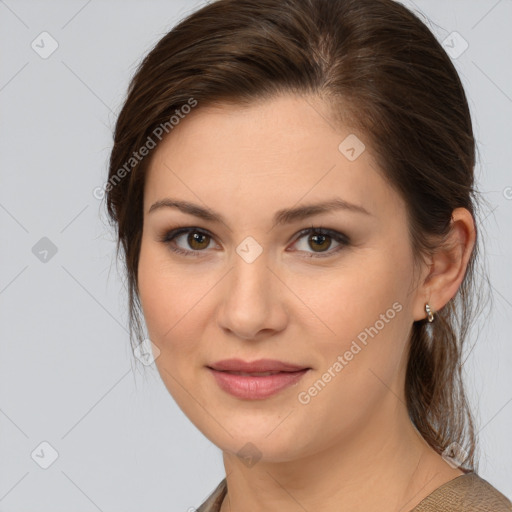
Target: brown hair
[[382, 72]]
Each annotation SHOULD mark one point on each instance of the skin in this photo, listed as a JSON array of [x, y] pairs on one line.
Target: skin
[[292, 305]]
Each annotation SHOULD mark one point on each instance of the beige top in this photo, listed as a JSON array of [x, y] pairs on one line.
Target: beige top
[[465, 493]]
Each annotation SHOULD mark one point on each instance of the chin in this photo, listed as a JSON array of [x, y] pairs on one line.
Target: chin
[[246, 437]]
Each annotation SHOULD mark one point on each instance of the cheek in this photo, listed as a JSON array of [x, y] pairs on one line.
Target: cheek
[[363, 310], [365, 307], [163, 295], [173, 301]]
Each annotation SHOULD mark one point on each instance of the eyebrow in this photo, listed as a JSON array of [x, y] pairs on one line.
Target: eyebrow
[[285, 216]]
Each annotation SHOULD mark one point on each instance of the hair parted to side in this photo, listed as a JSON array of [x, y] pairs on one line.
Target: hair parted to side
[[383, 73]]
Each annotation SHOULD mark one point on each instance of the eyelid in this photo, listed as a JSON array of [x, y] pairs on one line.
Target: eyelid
[[342, 239], [169, 236], [324, 231]]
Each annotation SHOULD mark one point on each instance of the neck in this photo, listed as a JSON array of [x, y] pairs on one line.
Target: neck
[[387, 456]]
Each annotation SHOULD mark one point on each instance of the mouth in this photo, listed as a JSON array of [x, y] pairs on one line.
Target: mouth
[[253, 367], [256, 381], [253, 374]]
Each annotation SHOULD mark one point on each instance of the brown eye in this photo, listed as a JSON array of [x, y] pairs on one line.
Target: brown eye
[[198, 240], [194, 244], [319, 241]]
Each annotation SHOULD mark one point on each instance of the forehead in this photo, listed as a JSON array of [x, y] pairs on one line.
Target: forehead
[[274, 152]]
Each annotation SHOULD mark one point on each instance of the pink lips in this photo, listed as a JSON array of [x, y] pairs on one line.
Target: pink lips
[[244, 380]]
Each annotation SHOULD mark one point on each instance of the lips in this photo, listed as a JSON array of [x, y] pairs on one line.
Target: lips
[[252, 374], [255, 367], [255, 380]]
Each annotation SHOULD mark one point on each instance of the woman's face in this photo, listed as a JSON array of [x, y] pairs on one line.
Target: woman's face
[[252, 287]]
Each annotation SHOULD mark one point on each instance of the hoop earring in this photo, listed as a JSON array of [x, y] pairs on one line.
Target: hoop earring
[[430, 314]]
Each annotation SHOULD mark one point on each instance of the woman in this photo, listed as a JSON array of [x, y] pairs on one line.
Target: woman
[[292, 185]]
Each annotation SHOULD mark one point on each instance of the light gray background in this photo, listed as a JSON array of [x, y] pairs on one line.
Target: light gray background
[[66, 369]]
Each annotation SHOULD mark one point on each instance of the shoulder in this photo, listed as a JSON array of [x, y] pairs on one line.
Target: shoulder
[[466, 493], [213, 502]]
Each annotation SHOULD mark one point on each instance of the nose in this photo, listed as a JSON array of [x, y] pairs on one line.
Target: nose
[[253, 300]]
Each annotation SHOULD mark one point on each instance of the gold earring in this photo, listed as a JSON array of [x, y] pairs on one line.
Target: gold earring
[[430, 314]]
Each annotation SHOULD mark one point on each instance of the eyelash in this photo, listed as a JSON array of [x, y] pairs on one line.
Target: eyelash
[[169, 237]]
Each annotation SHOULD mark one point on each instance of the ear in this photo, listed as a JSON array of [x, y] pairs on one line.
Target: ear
[[447, 266]]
